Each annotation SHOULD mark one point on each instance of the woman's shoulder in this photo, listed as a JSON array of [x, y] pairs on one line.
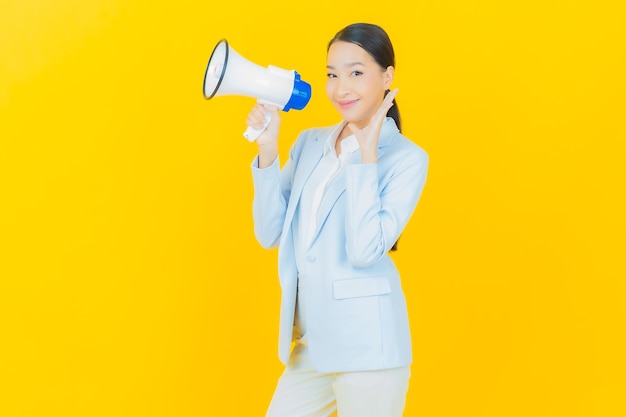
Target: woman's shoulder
[[408, 148], [316, 134], [395, 142]]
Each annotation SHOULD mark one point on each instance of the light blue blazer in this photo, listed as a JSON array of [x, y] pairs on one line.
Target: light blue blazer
[[357, 318]]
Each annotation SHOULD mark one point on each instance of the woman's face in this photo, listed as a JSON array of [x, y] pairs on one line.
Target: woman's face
[[356, 84]]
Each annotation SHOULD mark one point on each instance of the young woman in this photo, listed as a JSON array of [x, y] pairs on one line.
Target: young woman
[[335, 210]]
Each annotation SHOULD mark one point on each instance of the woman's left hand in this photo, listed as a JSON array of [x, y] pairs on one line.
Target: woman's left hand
[[368, 136]]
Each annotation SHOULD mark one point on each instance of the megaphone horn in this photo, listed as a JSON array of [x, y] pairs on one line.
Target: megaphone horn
[[228, 73]]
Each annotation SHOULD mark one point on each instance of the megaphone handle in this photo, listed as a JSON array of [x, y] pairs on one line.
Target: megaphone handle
[[251, 134]]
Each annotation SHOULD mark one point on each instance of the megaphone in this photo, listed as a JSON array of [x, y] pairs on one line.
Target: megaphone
[[228, 73]]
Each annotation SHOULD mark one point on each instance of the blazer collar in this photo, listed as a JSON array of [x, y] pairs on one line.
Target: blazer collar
[[312, 154], [388, 132], [314, 150], [338, 187]]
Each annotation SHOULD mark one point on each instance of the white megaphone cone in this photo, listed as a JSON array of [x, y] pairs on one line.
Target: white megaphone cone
[[228, 73]]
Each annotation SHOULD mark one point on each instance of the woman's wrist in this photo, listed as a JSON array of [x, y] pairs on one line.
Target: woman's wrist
[[267, 155], [369, 157]]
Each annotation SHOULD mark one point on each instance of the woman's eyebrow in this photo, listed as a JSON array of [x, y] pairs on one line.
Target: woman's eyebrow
[[349, 64]]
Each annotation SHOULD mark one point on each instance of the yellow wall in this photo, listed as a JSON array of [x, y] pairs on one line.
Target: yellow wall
[[130, 280]]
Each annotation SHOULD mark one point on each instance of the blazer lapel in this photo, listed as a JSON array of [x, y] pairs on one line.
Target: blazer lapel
[[338, 186], [309, 158], [330, 197]]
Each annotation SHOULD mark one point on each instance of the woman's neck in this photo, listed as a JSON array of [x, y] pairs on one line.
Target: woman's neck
[[345, 132]]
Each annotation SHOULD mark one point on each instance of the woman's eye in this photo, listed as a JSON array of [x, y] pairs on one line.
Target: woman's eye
[[356, 73], [329, 75]]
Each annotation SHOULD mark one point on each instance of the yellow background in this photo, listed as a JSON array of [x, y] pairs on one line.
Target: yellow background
[[131, 283]]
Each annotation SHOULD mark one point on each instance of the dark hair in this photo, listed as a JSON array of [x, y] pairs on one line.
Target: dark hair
[[376, 42]]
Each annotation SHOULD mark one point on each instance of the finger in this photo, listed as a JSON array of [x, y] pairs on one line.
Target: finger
[[269, 108], [256, 117], [388, 101], [271, 113], [385, 105], [259, 111], [391, 95]]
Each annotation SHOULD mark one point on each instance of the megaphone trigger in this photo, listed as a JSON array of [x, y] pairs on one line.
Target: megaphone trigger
[[251, 134]]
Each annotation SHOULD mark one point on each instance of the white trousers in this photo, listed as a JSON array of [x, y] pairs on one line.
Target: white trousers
[[303, 392]]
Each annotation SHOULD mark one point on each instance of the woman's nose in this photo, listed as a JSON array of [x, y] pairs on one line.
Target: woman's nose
[[343, 87]]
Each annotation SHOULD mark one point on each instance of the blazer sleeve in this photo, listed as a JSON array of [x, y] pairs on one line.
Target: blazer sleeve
[[272, 189], [269, 203], [378, 208]]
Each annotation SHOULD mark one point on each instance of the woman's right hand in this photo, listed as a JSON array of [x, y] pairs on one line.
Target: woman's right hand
[[268, 139]]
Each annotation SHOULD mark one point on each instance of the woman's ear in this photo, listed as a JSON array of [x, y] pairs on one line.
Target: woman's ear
[[388, 76]]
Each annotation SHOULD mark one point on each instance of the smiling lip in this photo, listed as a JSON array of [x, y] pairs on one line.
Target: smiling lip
[[346, 104]]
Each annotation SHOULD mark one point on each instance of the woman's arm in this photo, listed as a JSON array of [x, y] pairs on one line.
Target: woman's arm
[[377, 211]]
